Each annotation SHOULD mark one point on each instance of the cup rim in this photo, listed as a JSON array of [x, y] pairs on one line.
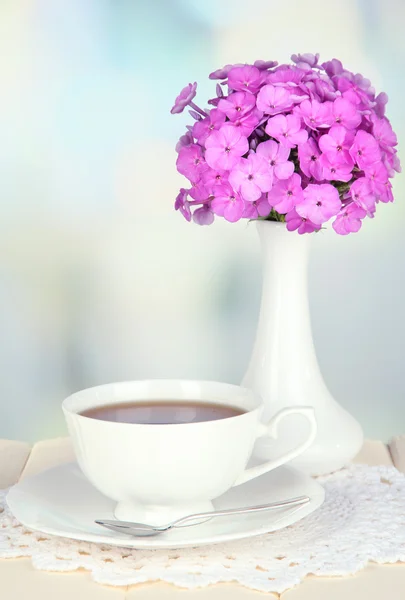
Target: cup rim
[[76, 412]]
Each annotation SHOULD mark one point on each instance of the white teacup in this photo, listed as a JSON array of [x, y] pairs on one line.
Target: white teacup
[[157, 473]]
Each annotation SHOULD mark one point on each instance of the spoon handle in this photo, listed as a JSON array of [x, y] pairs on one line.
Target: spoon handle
[[239, 511], [142, 529]]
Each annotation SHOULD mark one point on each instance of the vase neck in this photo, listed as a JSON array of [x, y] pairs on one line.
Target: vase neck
[[283, 249], [283, 349]]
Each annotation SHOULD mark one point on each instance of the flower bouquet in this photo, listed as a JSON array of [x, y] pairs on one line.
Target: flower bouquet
[[299, 143]]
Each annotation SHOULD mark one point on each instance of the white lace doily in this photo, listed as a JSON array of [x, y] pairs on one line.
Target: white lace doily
[[362, 519]]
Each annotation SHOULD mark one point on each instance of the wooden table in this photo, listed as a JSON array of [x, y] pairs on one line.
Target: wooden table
[[19, 581]]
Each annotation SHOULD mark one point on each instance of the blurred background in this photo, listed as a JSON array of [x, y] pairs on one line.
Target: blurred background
[[100, 280]]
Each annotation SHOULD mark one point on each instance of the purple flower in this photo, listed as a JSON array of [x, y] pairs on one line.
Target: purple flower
[[326, 126], [248, 122], [198, 191], [383, 192], [336, 144], [335, 171], [286, 74], [287, 130], [391, 162], [286, 194], [237, 105], [277, 158], [227, 203], [245, 79], [191, 163], [202, 129], [376, 174], [321, 202], [310, 164], [263, 65], [251, 177], [305, 61], [213, 177], [380, 102], [257, 208], [345, 113], [296, 222], [363, 195], [223, 73], [225, 147], [203, 215], [365, 150], [182, 204], [382, 131], [184, 98], [185, 140], [333, 67], [272, 100], [349, 219], [315, 114]]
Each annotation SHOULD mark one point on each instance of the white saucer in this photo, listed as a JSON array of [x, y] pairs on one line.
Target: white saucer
[[62, 502]]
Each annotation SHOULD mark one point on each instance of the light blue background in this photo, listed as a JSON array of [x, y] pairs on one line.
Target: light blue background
[[99, 279]]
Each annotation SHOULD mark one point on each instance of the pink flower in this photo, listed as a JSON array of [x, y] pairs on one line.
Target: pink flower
[[277, 158], [202, 129], [321, 202], [383, 192], [349, 219], [315, 114], [287, 130], [225, 147], [391, 162], [286, 74], [198, 192], [308, 140], [182, 204], [213, 177], [345, 113], [223, 73], [203, 215], [257, 208], [378, 184], [336, 144], [251, 177], [305, 61], [184, 98], [382, 131], [365, 149], [295, 221], [272, 100], [335, 171], [191, 163], [265, 64], [310, 164], [286, 194], [245, 79], [248, 122], [380, 102], [333, 67], [185, 140], [237, 105], [362, 195], [227, 203], [376, 174]]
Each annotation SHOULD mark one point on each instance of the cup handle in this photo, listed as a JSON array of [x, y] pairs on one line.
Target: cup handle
[[271, 430]]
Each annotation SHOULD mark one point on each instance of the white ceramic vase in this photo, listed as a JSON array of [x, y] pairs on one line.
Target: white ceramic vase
[[283, 368]]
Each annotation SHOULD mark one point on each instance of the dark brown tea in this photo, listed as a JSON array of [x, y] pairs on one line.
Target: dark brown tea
[[162, 413]]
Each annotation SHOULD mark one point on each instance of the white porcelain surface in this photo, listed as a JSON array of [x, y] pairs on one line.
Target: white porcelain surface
[[283, 368], [157, 473], [62, 502]]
